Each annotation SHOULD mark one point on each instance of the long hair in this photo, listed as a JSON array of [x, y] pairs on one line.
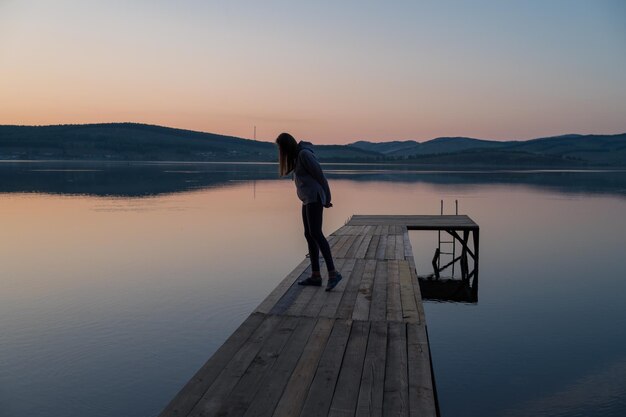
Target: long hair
[[287, 153]]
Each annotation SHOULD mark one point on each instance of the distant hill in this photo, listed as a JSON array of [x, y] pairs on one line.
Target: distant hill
[[124, 141], [565, 150], [434, 146], [141, 142], [593, 149], [387, 148]]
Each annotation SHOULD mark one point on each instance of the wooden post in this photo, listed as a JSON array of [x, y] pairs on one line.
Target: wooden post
[[475, 234], [464, 266], [436, 263]]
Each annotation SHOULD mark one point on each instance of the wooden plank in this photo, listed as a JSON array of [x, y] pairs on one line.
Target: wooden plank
[[341, 252], [370, 401], [421, 317], [408, 249], [378, 307], [391, 247], [415, 218], [292, 400], [351, 253], [302, 300], [343, 230], [421, 394], [191, 393], [413, 268], [343, 241], [320, 296], [363, 300], [363, 247], [355, 240], [371, 249], [399, 248], [214, 397], [356, 230], [334, 241], [320, 394], [273, 384], [346, 394], [381, 250], [249, 383], [340, 243], [283, 304], [394, 305], [407, 295], [346, 305], [269, 302], [416, 222], [333, 298], [396, 392]]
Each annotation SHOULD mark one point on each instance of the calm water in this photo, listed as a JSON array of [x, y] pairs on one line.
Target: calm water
[[119, 281]]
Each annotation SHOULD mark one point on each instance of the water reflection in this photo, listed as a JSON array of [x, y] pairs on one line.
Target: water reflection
[[137, 179], [449, 289], [125, 179], [462, 288], [112, 300]]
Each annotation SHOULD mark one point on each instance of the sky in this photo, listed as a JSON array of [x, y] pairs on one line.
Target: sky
[[325, 71]]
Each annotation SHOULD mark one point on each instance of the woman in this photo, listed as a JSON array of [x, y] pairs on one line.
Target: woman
[[313, 190]]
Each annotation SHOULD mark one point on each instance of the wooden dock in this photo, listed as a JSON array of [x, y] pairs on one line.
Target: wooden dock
[[359, 350]]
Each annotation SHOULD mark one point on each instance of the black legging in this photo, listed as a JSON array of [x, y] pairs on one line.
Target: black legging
[[312, 219]]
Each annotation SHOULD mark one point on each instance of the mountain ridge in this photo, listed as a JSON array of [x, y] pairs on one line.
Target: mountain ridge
[[127, 141]]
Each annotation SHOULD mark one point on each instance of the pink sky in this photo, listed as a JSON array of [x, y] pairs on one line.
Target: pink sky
[[326, 73]]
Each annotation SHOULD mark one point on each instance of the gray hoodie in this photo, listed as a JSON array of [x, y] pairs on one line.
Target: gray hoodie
[[311, 183]]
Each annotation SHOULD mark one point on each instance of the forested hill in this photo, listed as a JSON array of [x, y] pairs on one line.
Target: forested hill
[[566, 150], [141, 142]]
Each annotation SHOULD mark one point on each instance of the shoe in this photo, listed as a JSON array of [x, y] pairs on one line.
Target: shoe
[[314, 281], [332, 282]]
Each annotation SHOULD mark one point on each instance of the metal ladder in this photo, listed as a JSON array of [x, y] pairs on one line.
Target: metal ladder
[[438, 252]]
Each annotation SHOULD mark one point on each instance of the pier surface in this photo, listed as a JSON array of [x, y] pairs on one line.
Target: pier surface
[[359, 350]]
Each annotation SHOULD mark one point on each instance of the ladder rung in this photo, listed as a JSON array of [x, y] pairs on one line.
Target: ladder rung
[[447, 241], [445, 253]]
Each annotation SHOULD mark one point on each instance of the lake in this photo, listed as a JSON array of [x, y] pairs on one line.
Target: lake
[[119, 280]]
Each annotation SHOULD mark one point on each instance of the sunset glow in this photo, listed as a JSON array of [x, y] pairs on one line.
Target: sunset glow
[[330, 72]]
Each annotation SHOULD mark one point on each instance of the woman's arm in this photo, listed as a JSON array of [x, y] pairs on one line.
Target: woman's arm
[[314, 168]]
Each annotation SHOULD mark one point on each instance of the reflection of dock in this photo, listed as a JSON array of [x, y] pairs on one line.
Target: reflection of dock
[[451, 290], [361, 349]]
